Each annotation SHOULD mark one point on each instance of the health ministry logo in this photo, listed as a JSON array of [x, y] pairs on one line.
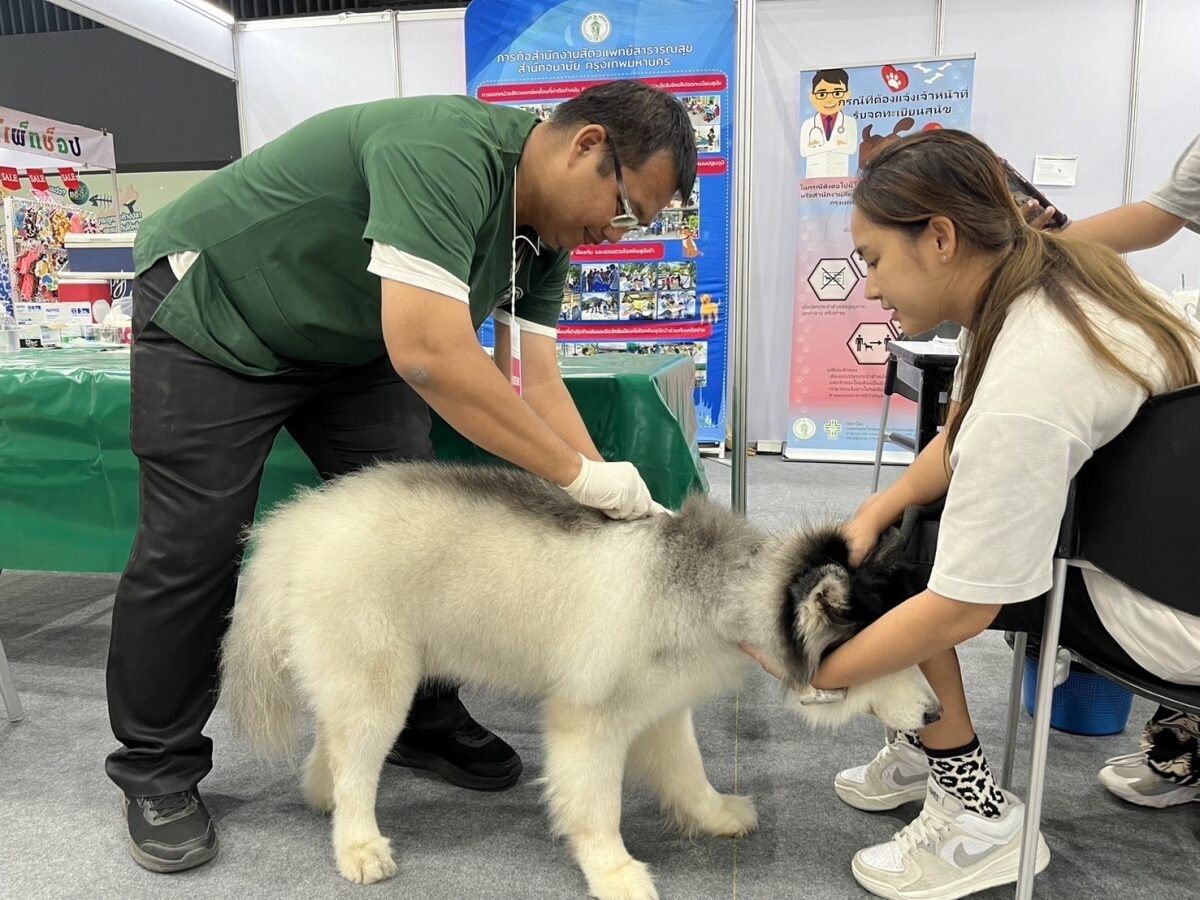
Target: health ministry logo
[[596, 27]]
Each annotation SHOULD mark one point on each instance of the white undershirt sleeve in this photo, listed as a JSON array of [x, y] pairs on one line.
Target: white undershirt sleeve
[[504, 317], [388, 262], [181, 262]]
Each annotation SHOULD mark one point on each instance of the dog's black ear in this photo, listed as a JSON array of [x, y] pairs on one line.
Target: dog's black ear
[[886, 578], [826, 546]]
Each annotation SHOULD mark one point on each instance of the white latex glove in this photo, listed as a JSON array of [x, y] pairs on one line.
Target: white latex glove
[[614, 488]]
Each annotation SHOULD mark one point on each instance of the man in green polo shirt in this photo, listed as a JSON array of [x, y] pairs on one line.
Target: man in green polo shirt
[[331, 283]]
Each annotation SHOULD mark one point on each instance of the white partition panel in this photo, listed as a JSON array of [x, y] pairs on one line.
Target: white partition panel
[[432, 51], [793, 35], [1168, 120], [175, 27], [293, 69], [1052, 78]]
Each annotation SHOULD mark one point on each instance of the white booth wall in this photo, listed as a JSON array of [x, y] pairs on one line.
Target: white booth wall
[[1051, 77], [294, 68], [176, 27]]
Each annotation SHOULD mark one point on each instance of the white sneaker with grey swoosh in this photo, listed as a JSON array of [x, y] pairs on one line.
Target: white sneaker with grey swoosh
[[947, 852], [1131, 778], [897, 775]]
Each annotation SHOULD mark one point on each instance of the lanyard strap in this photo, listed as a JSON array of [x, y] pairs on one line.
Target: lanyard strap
[[514, 327]]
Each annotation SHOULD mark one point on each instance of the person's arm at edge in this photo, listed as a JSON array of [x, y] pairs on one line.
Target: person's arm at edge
[[1136, 226]]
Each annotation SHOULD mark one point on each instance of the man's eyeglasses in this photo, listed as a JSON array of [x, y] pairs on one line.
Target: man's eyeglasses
[[628, 218], [836, 94]]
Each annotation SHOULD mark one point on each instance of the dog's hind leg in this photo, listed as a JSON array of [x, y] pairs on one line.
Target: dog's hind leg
[[361, 710], [317, 781], [585, 764], [667, 758]]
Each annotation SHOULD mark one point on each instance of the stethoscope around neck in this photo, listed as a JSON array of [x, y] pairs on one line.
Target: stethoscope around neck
[[840, 127]]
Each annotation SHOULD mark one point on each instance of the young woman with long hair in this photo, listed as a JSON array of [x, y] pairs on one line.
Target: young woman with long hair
[[1062, 344]]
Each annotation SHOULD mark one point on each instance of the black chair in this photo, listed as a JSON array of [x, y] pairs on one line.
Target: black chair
[[1133, 512], [921, 372]]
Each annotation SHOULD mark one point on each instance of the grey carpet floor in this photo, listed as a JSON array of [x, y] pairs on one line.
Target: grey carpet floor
[[61, 833]]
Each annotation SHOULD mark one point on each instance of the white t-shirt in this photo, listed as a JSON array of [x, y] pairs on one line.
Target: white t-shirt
[[1042, 406]]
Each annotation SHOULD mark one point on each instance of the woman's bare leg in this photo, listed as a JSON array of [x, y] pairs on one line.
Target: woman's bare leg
[[954, 728]]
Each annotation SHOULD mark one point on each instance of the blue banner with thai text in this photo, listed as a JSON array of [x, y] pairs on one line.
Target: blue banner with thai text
[[665, 287]]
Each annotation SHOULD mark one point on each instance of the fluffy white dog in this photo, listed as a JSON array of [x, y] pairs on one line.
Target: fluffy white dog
[[356, 592]]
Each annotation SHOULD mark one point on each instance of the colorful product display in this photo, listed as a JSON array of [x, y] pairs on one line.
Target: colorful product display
[[34, 249]]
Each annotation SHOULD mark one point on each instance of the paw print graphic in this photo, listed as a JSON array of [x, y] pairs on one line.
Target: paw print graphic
[[893, 81]]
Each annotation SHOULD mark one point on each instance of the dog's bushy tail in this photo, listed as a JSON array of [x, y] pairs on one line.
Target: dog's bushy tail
[[256, 685]]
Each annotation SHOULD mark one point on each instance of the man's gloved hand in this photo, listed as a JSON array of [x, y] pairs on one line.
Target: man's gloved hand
[[614, 488]]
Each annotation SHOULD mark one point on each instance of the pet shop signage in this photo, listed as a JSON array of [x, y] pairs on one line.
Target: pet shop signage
[[664, 288], [63, 141], [839, 355]]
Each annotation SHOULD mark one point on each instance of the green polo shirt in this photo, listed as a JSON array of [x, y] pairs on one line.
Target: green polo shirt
[[284, 234]]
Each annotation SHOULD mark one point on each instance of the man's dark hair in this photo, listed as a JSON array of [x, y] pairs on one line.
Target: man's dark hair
[[640, 121], [832, 76]]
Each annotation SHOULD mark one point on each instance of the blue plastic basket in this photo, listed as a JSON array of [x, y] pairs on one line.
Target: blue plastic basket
[[1086, 703]]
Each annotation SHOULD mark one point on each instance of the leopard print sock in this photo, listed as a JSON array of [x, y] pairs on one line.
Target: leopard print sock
[[912, 738], [963, 772]]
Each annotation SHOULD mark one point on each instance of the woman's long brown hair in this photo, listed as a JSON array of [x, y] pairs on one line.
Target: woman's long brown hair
[[950, 173]]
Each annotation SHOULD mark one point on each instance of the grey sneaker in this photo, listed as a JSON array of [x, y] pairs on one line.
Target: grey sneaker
[[171, 832], [1131, 778], [897, 775]]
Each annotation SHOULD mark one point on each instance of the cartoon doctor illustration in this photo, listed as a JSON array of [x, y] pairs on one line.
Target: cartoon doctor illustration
[[829, 138]]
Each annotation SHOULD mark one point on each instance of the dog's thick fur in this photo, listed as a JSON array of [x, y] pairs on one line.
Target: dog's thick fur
[[356, 592]]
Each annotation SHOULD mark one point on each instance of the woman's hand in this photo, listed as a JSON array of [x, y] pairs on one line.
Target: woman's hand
[[769, 665], [863, 530], [808, 695]]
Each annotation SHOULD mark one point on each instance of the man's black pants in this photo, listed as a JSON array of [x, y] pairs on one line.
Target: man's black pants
[[202, 434]]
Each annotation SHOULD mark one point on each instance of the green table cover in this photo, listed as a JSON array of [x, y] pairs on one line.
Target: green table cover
[[69, 482]]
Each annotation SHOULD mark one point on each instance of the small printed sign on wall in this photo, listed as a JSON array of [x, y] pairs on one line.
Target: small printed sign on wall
[[1060, 171]]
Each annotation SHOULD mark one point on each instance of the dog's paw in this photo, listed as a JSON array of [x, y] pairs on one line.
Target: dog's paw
[[366, 863], [630, 881], [735, 817]]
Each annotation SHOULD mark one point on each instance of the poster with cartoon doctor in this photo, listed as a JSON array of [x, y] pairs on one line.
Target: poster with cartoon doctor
[[829, 137]]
